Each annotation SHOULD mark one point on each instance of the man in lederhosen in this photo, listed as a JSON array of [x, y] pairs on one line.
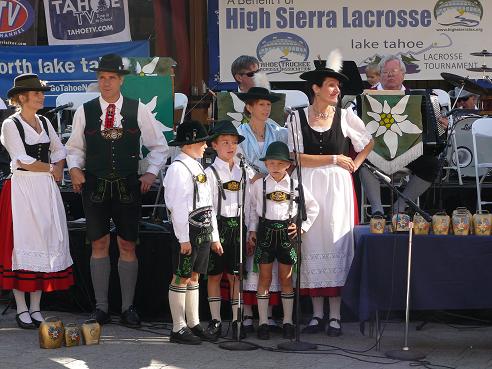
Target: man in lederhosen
[[103, 155]]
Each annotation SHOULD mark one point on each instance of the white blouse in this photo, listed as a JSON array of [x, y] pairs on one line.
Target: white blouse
[[12, 141]]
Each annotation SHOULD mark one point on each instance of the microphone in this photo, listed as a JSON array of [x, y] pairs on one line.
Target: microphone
[[247, 163], [377, 173], [289, 110], [61, 107]]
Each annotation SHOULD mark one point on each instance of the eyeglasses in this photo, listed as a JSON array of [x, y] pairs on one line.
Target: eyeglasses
[[392, 71], [250, 74]]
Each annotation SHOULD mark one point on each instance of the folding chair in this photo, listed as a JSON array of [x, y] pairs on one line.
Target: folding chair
[[481, 128]]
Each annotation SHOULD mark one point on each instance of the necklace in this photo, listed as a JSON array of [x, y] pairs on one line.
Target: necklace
[[322, 115], [258, 134]]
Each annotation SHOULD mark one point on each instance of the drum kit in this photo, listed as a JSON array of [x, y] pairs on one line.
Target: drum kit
[[460, 131]]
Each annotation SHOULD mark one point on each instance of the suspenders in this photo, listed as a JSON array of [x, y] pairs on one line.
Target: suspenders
[[196, 195], [222, 194], [291, 199]]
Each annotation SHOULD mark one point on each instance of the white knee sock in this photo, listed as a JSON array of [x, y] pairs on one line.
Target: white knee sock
[[191, 305], [20, 301], [214, 304], [335, 303], [234, 304], [263, 308], [288, 306], [35, 305], [177, 299], [318, 306]]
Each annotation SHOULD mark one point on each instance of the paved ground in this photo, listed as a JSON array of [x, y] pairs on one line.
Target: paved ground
[[122, 348]]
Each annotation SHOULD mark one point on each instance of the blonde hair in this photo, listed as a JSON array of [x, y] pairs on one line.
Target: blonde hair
[[373, 67], [15, 101]]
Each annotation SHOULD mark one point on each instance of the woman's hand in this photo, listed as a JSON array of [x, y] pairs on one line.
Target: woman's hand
[[57, 173], [78, 179], [251, 243], [346, 163]]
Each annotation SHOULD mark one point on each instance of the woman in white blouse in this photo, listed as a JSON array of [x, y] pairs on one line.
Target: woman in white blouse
[[34, 252]]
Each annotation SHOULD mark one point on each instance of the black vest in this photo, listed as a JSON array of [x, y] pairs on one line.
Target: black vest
[[40, 151], [330, 142], [112, 158]]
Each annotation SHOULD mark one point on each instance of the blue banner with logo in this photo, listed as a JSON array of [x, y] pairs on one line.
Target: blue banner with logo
[[65, 68], [18, 22], [71, 22]]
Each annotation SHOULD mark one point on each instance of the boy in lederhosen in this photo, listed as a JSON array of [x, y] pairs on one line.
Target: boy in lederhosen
[[272, 225], [225, 180], [189, 201]]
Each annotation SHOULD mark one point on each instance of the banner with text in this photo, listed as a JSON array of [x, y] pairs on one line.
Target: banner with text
[[65, 68], [86, 21], [19, 22], [431, 36]]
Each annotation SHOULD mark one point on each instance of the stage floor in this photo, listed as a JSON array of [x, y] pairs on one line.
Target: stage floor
[[124, 348]]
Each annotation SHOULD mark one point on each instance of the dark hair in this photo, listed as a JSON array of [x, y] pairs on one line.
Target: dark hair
[[241, 63]]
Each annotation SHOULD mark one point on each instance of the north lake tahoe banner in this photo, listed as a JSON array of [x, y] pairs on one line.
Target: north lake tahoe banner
[[19, 22], [86, 21], [432, 36]]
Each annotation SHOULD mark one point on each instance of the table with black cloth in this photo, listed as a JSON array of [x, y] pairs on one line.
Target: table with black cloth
[[448, 272]]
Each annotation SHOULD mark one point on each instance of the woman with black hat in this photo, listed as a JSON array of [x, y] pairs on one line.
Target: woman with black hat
[[259, 133], [34, 250], [323, 133]]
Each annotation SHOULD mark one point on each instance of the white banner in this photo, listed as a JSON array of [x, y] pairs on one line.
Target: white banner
[[432, 36], [78, 22]]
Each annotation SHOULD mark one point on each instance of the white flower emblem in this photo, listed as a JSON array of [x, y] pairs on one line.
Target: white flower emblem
[[389, 122]]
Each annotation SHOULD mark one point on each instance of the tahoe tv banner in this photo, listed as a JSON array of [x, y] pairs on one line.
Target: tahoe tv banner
[[431, 36], [86, 21]]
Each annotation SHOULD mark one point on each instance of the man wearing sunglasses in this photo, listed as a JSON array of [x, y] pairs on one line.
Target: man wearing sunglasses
[[243, 70]]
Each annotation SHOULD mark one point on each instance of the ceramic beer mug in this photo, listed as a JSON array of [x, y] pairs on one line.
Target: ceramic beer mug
[[51, 333]]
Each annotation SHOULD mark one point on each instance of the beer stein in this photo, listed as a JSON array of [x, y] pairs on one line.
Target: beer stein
[[440, 223], [401, 222], [420, 225], [482, 223], [51, 333], [91, 331], [377, 224], [72, 335], [461, 219]]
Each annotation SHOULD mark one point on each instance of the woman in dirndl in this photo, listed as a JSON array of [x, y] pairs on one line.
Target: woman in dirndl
[[324, 132], [34, 252]]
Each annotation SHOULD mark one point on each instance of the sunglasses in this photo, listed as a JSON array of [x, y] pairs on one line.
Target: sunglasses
[[251, 74]]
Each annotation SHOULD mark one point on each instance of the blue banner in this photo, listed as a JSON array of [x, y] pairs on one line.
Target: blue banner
[[65, 68]]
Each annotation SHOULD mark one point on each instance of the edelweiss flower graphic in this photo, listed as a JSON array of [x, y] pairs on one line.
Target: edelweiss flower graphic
[[390, 122]]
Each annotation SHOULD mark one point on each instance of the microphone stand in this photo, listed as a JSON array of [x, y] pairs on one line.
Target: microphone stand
[[297, 344], [404, 353], [237, 344]]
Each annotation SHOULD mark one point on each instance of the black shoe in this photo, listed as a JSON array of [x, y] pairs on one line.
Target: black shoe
[[214, 328], [36, 322], [242, 332], [185, 337], [332, 331], [101, 316], [130, 318], [311, 329], [263, 332], [377, 214], [23, 325], [248, 328], [198, 331], [288, 331]]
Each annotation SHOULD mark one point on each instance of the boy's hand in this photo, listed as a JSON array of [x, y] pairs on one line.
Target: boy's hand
[[292, 230], [185, 248], [251, 243], [217, 248]]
